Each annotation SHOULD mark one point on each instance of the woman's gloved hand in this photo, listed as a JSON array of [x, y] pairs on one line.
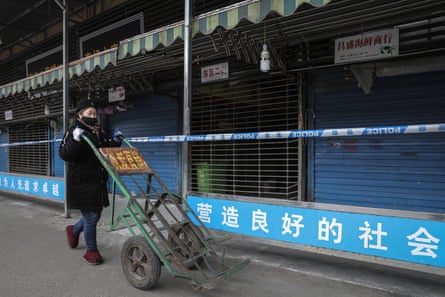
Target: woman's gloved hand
[[117, 135], [77, 133]]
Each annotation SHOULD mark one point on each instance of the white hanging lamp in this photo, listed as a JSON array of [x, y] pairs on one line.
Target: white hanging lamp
[[265, 55]]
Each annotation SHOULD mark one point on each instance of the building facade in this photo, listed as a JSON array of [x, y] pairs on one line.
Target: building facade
[[337, 148]]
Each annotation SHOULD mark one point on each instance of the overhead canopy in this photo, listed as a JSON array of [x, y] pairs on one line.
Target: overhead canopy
[[228, 17], [78, 67]]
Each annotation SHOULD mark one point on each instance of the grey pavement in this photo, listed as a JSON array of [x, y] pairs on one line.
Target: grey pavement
[[36, 261]]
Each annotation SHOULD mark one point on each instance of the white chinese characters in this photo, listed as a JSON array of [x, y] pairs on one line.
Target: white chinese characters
[[326, 229], [292, 225], [32, 186], [259, 221], [423, 242], [371, 235], [230, 217], [204, 211]]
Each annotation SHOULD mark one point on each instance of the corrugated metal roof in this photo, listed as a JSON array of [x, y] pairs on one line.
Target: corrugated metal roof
[[301, 40], [19, 20]]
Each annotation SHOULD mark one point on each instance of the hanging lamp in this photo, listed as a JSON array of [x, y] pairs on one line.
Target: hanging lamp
[[265, 55]]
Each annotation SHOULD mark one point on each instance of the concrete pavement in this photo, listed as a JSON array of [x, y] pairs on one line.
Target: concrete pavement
[[36, 261]]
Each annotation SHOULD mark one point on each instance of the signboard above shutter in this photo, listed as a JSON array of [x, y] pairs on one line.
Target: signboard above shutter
[[367, 46]]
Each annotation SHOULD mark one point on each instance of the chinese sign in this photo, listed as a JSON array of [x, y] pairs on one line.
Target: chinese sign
[[116, 94], [215, 72], [36, 186], [126, 160], [367, 46], [8, 115], [411, 240]]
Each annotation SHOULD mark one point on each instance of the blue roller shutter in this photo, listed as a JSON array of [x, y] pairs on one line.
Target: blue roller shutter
[[58, 166], [3, 151], [395, 172], [153, 116]]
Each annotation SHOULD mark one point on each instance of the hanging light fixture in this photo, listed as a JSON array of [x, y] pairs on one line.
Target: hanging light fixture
[[46, 109], [265, 55], [265, 59]]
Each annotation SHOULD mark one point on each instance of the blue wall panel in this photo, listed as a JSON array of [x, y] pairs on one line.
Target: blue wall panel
[[396, 172], [153, 116], [3, 152], [58, 163]]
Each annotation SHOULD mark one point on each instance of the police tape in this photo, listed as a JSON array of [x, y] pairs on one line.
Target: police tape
[[366, 131], [318, 133], [28, 143]]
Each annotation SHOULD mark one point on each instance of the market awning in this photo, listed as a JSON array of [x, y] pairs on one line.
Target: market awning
[[228, 17], [88, 64], [78, 67]]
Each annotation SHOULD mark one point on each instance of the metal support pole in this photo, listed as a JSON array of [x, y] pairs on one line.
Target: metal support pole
[[301, 143], [66, 100], [187, 93]]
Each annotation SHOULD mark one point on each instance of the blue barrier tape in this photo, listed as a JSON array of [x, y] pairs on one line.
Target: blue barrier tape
[[28, 142], [366, 131]]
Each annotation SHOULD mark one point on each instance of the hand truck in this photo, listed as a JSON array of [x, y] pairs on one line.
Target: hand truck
[[165, 230]]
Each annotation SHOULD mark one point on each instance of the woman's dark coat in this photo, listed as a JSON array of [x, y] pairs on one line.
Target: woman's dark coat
[[86, 178]]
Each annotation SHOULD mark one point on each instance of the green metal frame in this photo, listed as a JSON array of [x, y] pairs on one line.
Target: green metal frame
[[171, 227]]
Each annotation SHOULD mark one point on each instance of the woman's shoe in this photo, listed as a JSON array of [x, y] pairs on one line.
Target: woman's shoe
[[73, 239], [99, 258], [92, 258]]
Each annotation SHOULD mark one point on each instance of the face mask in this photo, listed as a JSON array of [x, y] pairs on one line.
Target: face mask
[[90, 121]]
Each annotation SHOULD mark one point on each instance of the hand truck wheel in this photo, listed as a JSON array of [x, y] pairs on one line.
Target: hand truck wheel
[[141, 265], [191, 240]]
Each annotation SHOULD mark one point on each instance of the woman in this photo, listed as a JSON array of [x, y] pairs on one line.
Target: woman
[[86, 178]]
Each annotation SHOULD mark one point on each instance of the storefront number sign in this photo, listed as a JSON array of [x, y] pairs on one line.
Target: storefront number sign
[[411, 240], [215, 72]]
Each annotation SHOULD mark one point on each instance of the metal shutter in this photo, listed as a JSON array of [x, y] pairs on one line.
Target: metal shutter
[[255, 168], [28, 159], [3, 151], [395, 172], [58, 162], [153, 116]]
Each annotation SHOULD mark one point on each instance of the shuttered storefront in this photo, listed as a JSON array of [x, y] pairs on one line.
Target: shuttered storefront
[[31, 158], [56, 132], [394, 171], [253, 168], [3, 151], [153, 116]]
